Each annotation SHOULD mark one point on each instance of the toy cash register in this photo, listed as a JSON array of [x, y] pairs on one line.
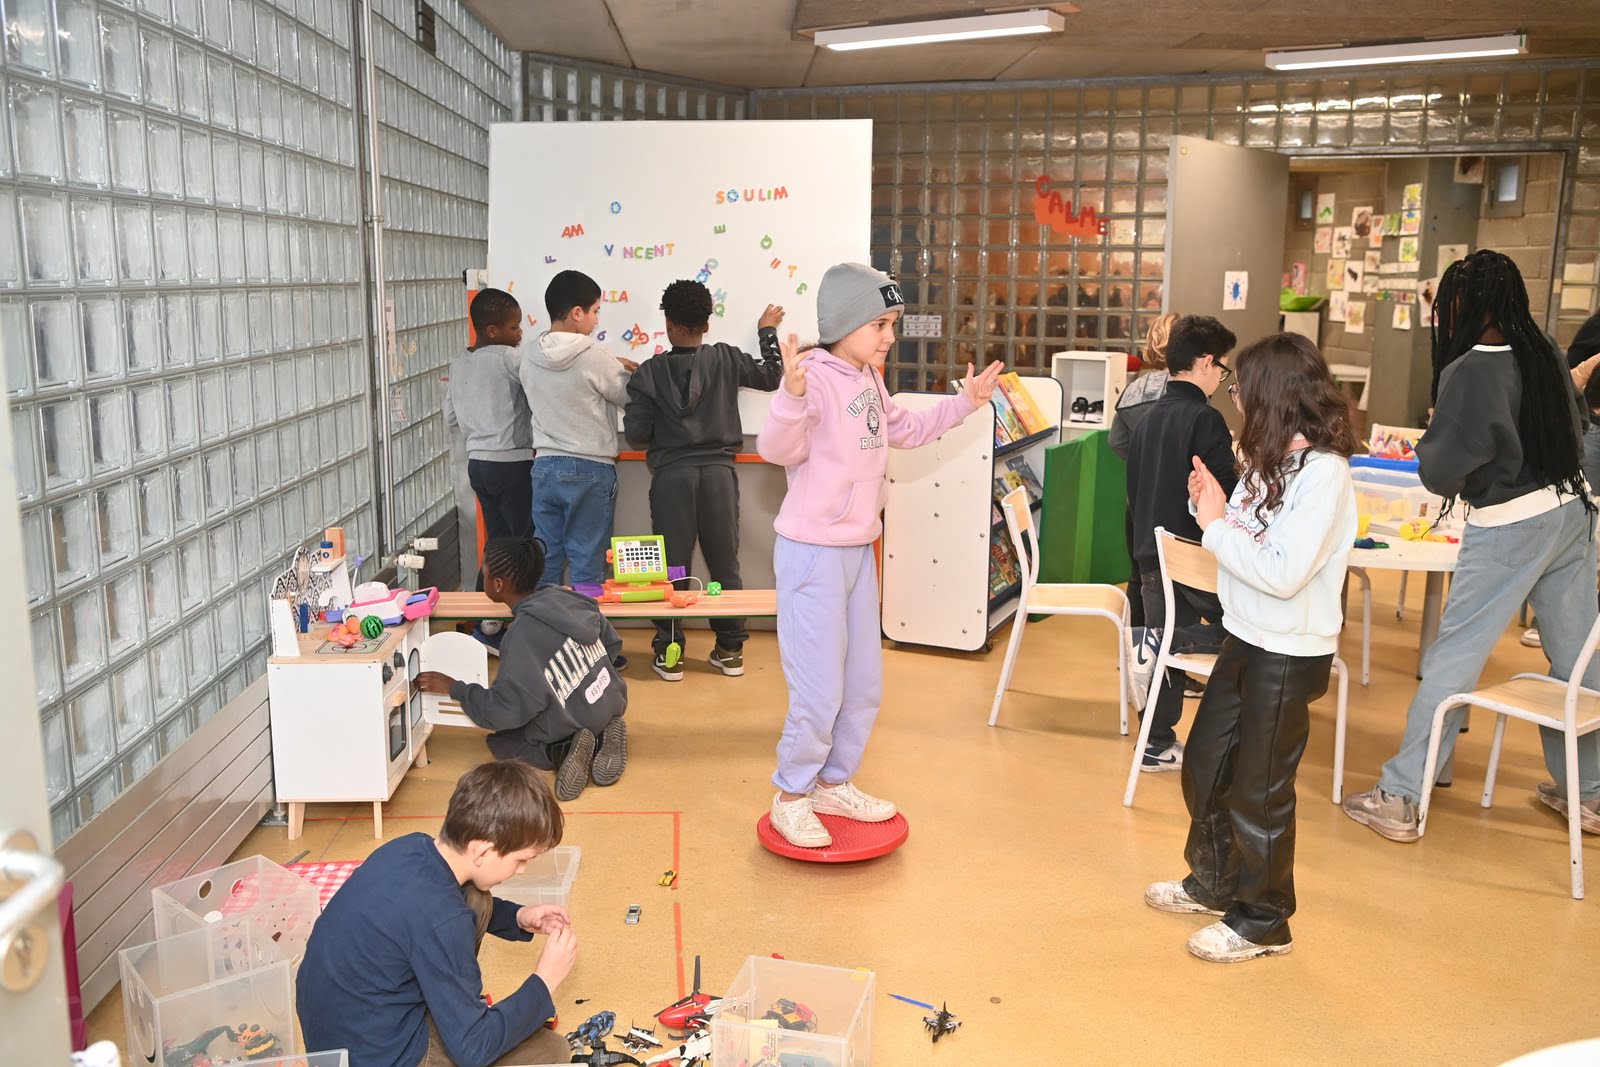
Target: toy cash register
[[638, 569]]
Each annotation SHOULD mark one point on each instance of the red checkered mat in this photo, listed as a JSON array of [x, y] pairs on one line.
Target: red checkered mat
[[327, 877]]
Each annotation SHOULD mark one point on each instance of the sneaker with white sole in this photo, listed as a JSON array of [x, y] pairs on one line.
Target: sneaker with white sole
[[1144, 647], [1530, 638], [1385, 814], [729, 661], [849, 802], [1159, 760], [573, 774], [612, 758], [1171, 896], [1554, 797], [668, 666], [1218, 943], [798, 823]]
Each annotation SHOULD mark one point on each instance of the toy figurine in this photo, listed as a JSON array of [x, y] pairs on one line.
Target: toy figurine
[[689, 1054], [638, 1039], [593, 1030], [193, 1053], [256, 1042]]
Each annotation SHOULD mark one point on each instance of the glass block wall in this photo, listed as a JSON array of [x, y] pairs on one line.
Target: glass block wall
[[182, 317], [434, 113], [565, 90], [953, 172]]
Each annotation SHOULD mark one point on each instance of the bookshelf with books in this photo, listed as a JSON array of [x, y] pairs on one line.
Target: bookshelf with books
[[950, 574]]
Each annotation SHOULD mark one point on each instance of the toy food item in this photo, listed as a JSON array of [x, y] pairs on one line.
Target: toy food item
[[371, 627]]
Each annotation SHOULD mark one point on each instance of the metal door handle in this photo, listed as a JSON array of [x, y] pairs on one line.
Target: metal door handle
[[23, 947]]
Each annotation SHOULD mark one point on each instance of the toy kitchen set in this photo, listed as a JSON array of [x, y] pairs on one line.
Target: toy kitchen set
[[347, 721]]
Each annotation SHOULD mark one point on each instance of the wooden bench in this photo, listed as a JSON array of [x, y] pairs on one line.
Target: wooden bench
[[731, 603]]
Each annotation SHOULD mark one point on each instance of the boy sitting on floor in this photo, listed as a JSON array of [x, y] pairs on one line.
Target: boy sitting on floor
[[391, 970], [557, 702]]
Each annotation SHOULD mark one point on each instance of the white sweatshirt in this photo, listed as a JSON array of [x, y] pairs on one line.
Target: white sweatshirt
[[1280, 584]]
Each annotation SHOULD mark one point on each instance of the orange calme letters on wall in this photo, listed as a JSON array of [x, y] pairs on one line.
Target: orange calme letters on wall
[[1052, 210]]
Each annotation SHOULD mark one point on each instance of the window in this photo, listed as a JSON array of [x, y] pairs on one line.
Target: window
[[1503, 188]]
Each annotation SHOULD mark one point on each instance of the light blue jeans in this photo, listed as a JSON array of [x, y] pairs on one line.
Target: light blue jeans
[[1548, 560], [573, 502]]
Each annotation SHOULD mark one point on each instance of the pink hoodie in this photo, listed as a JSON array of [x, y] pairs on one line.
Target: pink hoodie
[[831, 443]]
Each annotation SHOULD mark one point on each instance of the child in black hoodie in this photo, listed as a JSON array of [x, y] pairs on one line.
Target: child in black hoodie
[[557, 701], [683, 408]]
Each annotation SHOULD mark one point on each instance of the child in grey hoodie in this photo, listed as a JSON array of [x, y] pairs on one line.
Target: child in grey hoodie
[[485, 400], [575, 391], [557, 701]]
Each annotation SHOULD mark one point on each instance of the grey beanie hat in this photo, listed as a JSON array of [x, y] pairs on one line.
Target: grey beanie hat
[[852, 295]]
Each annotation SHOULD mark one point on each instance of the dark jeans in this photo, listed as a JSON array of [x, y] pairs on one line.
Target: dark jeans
[[1238, 781], [1135, 579], [573, 502], [689, 503], [505, 493], [1188, 636]]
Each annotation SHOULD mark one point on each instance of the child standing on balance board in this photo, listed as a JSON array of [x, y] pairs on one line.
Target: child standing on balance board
[[829, 426]]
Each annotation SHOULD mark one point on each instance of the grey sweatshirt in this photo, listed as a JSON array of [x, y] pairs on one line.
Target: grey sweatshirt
[[555, 677], [486, 400], [575, 390]]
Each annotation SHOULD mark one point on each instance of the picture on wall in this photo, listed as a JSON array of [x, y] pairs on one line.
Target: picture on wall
[[1374, 260], [1447, 255], [1355, 316], [1324, 241], [1342, 236], [1335, 275], [1235, 290], [1361, 223], [1426, 291], [1354, 271], [1409, 249], [1325, 209], [1411, 197], [1402, 317], [1411, 221], [1336, 305], [1391, 225], [1300, 278]]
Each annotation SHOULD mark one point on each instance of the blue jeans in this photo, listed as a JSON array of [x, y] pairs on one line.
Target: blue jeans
[[573, 501], [1548, 560]]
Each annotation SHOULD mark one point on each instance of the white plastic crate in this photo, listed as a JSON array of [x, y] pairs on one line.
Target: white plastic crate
[[548, 879], [835, 1000], [280, 904], [223, 990]]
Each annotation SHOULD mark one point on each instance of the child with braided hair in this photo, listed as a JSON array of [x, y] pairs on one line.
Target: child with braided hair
[[557, 701], [1505, 438]]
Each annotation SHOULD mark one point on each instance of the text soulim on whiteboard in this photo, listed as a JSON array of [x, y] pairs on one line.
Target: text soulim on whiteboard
[[755, 210]]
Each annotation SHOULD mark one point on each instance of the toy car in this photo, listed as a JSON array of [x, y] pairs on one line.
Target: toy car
[[668, 878], [792, 1016]]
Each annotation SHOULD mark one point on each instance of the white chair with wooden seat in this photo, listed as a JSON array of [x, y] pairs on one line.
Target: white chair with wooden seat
[[1544, 701], [1189, 564], [1051, 598]]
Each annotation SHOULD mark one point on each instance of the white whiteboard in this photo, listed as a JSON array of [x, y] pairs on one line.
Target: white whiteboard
[[650, 198]]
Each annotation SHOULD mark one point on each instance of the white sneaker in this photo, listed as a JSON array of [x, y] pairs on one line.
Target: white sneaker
[[1144, 647], [1530, 638], [1171, 896], [1158, 761], [1218, 943], [798, 823], [851, 803]]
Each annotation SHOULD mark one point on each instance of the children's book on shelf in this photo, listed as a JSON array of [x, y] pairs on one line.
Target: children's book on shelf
[[1003, 571], [1028, 413], [1001, 487], [996, 518], [1008, 425], [1020, 466]]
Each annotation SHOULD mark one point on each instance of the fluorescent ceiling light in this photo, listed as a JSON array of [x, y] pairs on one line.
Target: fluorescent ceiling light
[[1383, 55], [1006, 24]]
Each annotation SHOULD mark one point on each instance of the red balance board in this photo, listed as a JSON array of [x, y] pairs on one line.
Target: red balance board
[[852, 840]]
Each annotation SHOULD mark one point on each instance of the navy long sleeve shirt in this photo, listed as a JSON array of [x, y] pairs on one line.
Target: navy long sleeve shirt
[[396, 944]]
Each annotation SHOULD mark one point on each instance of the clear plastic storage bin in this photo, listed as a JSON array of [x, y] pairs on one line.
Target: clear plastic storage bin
[[222, 991], [1392, 497], [826, 1016], [548, 879], [281, 905], [338, 1058]]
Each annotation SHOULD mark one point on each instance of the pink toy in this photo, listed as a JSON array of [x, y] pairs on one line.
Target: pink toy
[[420, 605], [391, 609]]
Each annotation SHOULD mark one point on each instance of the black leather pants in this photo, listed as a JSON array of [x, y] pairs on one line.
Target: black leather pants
[[1238, 780]]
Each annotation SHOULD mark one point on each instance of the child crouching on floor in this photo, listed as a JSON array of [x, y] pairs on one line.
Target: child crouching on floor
[[558, 700], [1282, 544]]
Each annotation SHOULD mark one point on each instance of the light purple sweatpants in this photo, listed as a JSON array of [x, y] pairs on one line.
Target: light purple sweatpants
[[829, 641]]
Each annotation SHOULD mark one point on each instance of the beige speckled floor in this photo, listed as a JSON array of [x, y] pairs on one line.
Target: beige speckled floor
[[1018, 895]]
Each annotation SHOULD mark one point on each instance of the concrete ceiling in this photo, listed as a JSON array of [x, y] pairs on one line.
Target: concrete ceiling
[[765, 44]]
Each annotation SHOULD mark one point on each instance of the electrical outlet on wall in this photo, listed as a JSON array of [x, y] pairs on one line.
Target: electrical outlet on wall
[[410, 561], [426, 544]]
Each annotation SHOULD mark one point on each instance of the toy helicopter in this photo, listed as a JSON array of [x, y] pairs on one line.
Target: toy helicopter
[[691, 1053], [693, 1011]]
